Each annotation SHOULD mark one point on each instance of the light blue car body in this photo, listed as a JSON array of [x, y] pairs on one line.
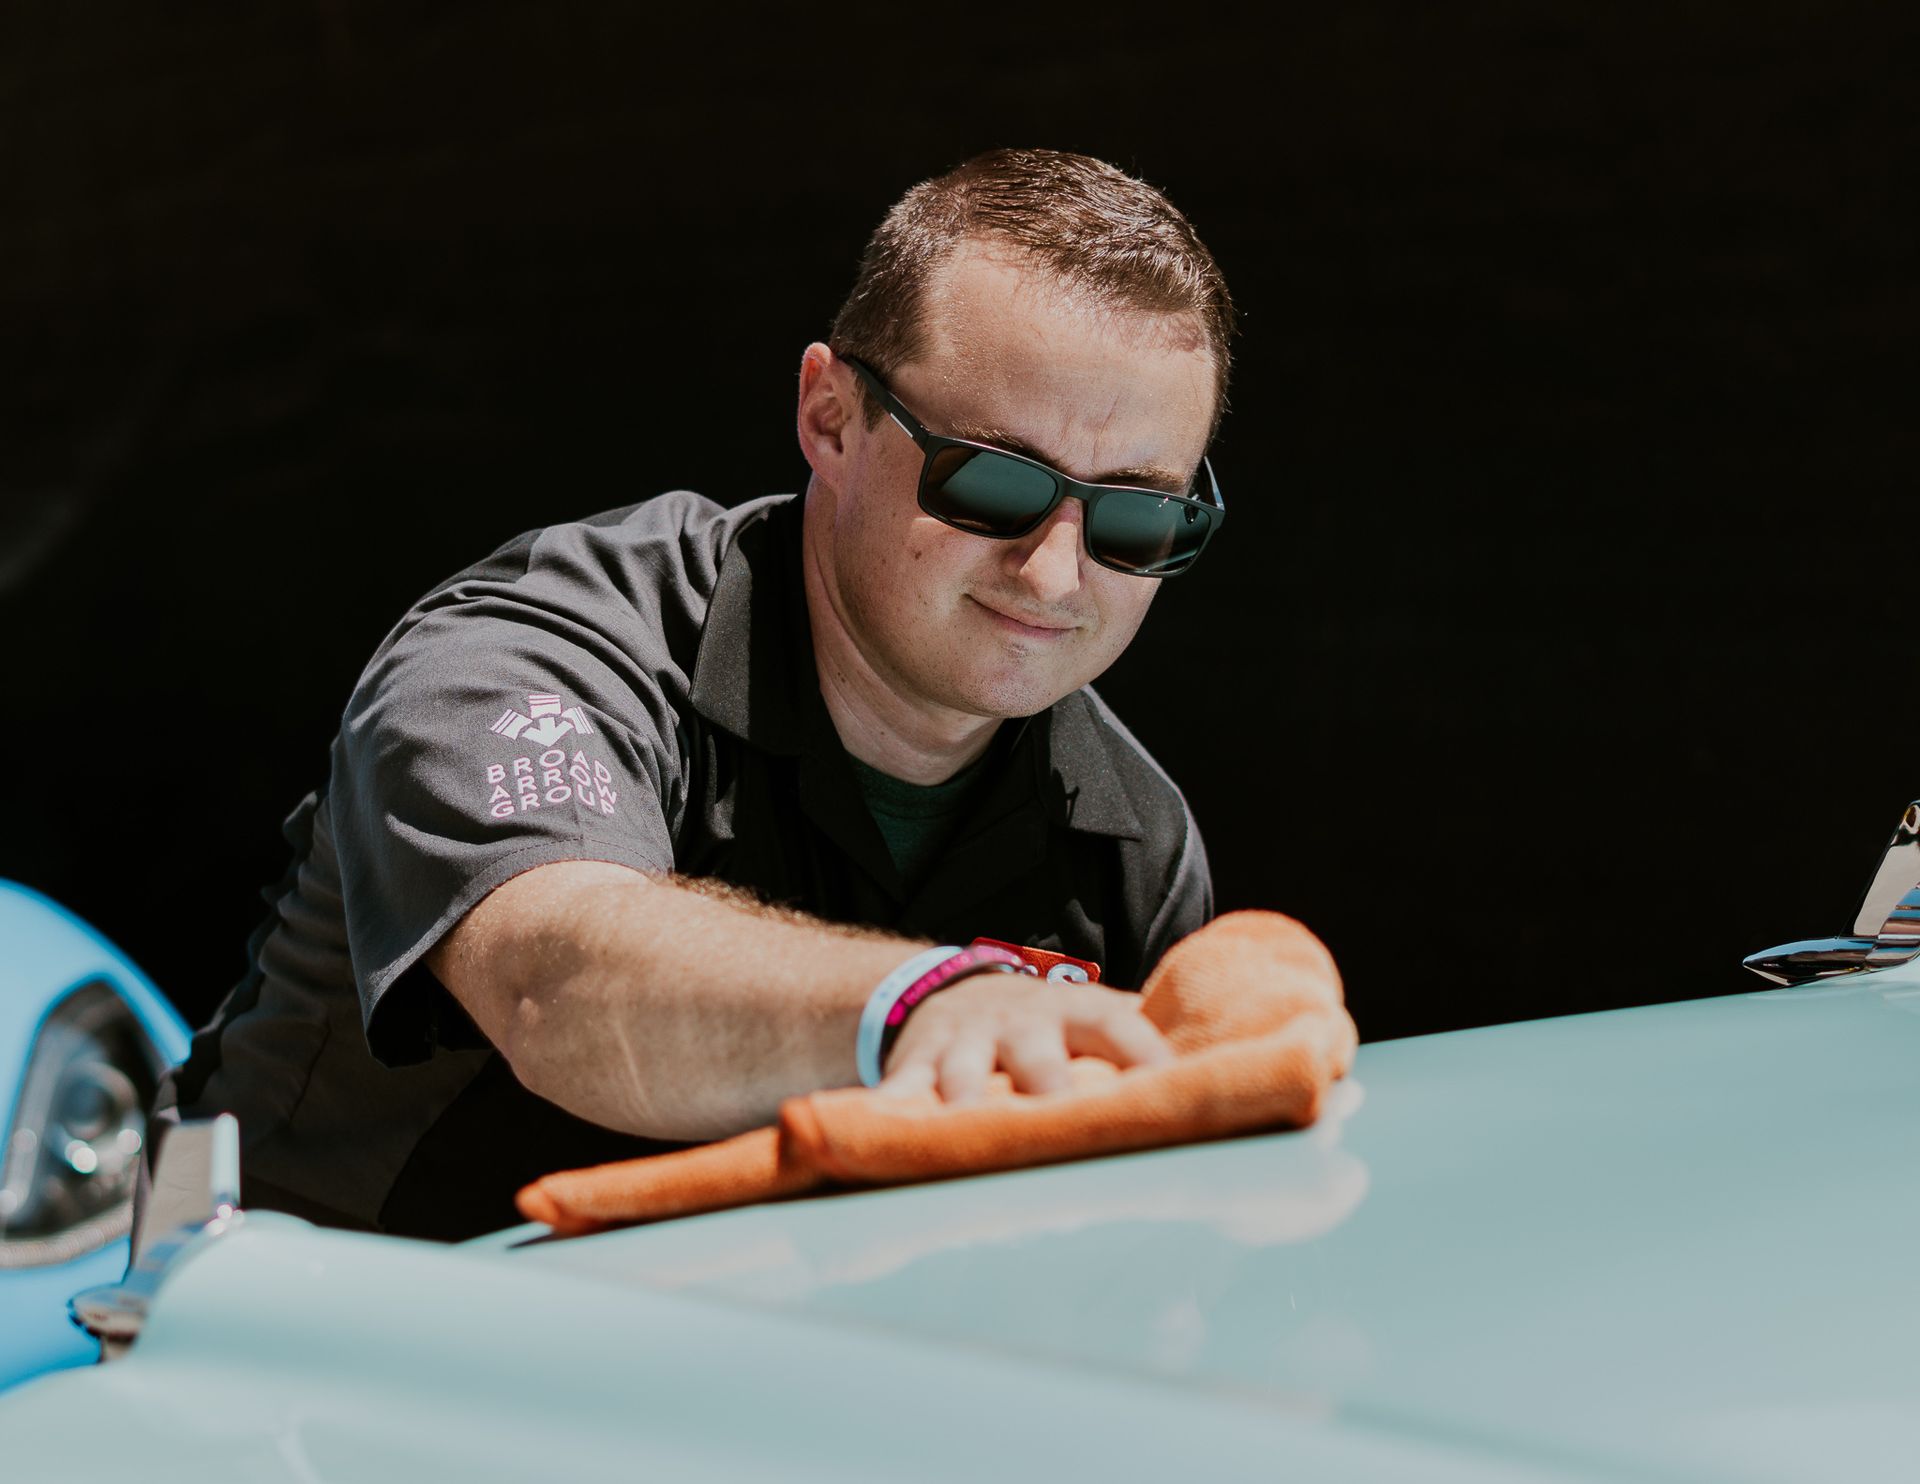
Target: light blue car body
[[44, 952], [1675, 1243]]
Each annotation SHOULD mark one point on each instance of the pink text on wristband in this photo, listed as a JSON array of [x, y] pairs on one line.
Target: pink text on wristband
[[966, 961], [949, 971]]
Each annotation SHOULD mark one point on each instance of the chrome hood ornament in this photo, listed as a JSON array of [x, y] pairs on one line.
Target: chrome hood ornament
[[1886, 929]]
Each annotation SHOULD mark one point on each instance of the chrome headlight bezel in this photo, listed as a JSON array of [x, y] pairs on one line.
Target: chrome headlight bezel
[[75, 1133]]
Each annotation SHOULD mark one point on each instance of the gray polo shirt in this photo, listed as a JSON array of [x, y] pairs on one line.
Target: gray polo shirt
[[638, 687]]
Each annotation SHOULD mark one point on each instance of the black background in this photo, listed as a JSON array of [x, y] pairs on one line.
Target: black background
[[1554, 657]]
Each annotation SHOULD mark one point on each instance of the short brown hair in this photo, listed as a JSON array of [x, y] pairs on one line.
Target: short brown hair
[[1096, 227]]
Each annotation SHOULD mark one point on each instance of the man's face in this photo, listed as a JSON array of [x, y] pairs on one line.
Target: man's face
[[1005, 628]]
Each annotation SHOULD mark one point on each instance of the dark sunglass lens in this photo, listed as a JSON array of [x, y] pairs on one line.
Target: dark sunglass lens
[[1145, 533], [979, 490]]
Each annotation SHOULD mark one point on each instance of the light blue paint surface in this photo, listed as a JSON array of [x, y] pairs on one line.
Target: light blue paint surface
[[288, 1353], [44, 952], [1680, 1241], [1673, 1243]]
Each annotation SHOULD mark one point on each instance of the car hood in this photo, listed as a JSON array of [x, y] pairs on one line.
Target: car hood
[[1666, 1243], [1680, 1237]]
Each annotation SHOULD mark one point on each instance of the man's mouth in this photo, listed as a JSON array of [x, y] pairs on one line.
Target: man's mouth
[[1029, 627]]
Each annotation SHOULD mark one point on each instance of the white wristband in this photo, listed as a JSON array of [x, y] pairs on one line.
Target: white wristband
[[873, 1019]]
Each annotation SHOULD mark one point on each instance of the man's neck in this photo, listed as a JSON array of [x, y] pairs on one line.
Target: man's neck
[[915, 740]]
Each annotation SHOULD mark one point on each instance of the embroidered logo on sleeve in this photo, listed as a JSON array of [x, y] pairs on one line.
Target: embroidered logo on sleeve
[[547, 724], [553, 776]]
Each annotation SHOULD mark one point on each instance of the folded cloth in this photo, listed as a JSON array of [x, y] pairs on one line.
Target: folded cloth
[[1251, 1005]]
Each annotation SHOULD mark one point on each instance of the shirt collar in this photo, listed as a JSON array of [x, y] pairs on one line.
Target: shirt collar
[[754, 676], [756, 680]]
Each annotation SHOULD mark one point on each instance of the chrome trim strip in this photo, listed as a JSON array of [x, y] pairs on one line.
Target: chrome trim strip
[[64, 1246]]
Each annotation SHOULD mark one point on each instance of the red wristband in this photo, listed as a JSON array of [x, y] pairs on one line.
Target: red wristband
[[1044, 961]]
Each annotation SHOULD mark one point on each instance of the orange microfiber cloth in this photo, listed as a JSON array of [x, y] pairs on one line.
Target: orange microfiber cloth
[[1250, 1004]]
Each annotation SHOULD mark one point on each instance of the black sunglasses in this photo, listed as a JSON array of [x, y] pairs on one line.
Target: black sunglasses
[[992, 492]]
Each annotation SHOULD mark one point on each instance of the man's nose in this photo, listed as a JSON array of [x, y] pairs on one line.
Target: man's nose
[[1049, 559]]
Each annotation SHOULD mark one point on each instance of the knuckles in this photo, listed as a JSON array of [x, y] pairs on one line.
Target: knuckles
[[1027, 1020]]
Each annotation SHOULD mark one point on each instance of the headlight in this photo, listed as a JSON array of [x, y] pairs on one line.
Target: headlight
[[73, 1148]]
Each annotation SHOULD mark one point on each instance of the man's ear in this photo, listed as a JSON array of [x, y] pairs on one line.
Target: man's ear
[[825, 414]]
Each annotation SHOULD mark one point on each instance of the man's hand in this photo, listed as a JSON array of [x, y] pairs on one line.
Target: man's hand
[[1024, 1026]]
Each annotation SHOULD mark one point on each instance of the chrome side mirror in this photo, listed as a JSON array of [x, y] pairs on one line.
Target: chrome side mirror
[[196, 1198], [1886, 929]]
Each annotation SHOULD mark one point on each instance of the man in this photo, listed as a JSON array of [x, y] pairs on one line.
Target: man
[[627, 822]]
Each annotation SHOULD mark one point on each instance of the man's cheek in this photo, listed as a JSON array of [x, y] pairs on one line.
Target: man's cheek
[[1123, 610]]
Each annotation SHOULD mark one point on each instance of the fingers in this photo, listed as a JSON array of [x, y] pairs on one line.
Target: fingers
[[953, 1045], [1121, 1034], [964, 1070], [915, 1079], [1036, 1060]]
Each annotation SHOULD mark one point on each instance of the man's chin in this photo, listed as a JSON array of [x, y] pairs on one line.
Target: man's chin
[[1009, 697]]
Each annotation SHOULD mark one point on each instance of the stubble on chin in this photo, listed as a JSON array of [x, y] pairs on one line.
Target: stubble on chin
[[1010, 678]]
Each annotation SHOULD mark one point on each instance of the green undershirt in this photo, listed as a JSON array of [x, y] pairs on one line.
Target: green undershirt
[[916, 820]]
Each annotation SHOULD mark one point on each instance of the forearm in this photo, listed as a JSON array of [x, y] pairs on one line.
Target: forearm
[[657, 1009]]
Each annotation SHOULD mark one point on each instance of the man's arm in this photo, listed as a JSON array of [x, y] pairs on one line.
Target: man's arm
[[658, 1009]]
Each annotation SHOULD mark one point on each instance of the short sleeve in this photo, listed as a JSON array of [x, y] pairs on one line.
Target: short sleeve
[[507, 724]]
